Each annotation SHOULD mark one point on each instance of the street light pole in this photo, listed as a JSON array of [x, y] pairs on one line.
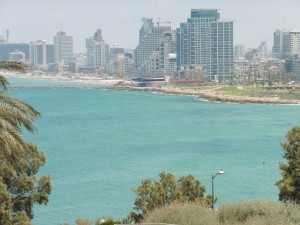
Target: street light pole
[[221, 172]]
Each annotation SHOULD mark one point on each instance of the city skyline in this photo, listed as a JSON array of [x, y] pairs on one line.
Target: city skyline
[[120, 21]]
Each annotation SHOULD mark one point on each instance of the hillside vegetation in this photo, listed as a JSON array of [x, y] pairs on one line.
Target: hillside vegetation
[[243, 213]]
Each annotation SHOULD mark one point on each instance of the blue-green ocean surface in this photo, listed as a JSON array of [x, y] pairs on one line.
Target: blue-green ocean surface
[[99, 144]]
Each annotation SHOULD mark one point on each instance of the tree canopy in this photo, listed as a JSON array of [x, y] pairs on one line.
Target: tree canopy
[[16, 66], [153, 194], [289, 185], [20, 160]]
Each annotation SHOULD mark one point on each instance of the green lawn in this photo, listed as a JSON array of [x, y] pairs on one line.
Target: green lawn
[[251, 90]]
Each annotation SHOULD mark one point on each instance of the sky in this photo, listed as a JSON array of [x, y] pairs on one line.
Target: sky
[[120, 20]]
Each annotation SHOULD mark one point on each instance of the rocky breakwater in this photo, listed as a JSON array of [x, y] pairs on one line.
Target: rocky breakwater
[[217, 97], [209, 95]]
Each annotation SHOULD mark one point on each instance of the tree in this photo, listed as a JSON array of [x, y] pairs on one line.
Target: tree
[[20, 186], [289, 185], [19, 160], [17, 66], [14, 115], [153, 194]]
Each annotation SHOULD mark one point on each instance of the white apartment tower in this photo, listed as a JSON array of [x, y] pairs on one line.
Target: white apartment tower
[[96, 52], [63, 47], [38, 54], [219, 61]]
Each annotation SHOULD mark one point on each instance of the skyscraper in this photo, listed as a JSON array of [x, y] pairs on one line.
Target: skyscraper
[[38, 54], [219, 64], [96, 52], [286, 43], [193, 36], [166, 47], [50, 53], [205, 43], [63, 47], [146, 28], [150, 37]]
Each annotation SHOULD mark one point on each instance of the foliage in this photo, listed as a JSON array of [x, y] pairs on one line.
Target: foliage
[[243, 213], [83, 222], [17, 66], [107, 221], [289, 185], [20, 161], [20, 187], [127, 220], [152, 194], [183, 214], [14, 115]]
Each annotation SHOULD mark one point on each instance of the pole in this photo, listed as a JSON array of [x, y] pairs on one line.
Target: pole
[[221, 172], [212, 190]]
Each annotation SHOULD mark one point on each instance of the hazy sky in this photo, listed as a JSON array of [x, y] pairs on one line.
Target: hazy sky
[[119, 20]]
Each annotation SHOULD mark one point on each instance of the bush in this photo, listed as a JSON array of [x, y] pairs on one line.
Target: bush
[[107, 221], [183, 214], [266, 212], [243, 213]]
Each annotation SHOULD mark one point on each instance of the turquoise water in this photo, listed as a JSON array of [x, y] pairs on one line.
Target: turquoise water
[[99, 144]]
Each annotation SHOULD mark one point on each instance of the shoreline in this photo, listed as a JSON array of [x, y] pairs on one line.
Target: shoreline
[[205, 95], [68, 78], [209, 95]]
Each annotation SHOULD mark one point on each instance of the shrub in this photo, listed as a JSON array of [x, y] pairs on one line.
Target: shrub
[[243, 213], [183, 214], [260, 212], [107, 221], [240, 212]]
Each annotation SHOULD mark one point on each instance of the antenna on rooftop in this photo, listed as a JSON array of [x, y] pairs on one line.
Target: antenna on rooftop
[[7, 35]]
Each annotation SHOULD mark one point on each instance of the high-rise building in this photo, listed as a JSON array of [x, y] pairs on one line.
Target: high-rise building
[[146, 28], [96, 52], [239, 51], [205, 44], [166, 47], [129, 65], [219, 64], [50, 54], [286, 43], [63, 47], [150, 37], [292, 65], [38, 54], [193, 36]]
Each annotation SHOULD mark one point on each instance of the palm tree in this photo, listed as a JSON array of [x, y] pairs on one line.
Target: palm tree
[[17, 66], [14, 115]]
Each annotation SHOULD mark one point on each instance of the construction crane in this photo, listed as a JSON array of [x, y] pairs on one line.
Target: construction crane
[[159, 22], [163, 22]]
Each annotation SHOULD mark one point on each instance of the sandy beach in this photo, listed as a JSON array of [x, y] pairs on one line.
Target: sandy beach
[[65, 78]]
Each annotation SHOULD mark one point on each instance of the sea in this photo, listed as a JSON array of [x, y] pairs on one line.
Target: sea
[[100, 144]]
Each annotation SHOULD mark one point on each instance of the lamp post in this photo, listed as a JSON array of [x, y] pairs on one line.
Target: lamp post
[[221, 172]]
